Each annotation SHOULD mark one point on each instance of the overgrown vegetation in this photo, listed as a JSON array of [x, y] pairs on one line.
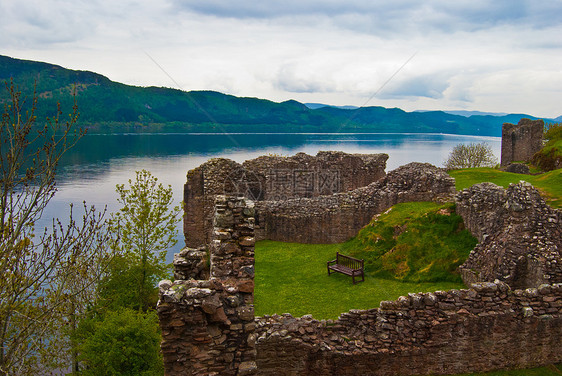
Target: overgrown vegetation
[[550, 156], [80, 295], [549, 184], [293, 278], [121, 342], [414, 242]]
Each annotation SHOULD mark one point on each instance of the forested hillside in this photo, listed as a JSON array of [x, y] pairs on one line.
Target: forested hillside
[[105, 105]]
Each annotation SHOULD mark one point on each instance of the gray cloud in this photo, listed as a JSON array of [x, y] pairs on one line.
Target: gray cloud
[[429, 86], [290, 79], [385, 16]]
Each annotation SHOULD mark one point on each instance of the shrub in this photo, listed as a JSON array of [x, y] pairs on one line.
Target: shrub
[[123, 342], [471, 156]]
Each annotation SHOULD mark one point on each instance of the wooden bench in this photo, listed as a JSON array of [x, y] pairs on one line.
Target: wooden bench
[[347, 265]]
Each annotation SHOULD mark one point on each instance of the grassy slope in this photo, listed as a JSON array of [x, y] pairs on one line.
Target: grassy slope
[[414, 242], [548, 158], [293, 278], [549, 184]]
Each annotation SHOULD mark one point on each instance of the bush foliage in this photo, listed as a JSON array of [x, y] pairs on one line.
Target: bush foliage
[[123, 342], [471, 156]]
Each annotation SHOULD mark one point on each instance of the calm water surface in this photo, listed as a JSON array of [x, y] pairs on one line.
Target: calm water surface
[[91, 170]]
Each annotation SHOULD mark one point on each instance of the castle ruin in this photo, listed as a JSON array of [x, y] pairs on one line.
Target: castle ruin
[[520, 236], [520, 142], [322, 199], [272, 178], [510, 317], [209, 327]]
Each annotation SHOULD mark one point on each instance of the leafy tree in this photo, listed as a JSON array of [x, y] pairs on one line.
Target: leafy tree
[[147, 225], [471, 156], [122, 342], [45, 277]]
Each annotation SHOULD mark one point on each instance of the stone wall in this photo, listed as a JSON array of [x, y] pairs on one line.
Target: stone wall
[[520, 142], [483, 328], [303, 175], [520, 235], [338, 217], [208, 325], [203, 184], [272, 178]]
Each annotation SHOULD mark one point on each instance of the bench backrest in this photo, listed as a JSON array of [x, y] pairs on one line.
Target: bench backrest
[[349, 261]]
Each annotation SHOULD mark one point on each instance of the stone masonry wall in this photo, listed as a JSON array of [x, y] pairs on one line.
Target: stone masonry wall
[[483, 328], [338, 217], [208, 325], [272, 178], [520, 235], [303, 175], [520, 142]]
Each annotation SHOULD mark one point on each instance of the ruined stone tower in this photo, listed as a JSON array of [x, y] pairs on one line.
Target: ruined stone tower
[[208, 325], [520, 142]]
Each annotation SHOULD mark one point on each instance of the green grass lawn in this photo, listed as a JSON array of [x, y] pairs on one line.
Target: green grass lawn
[[292, 278], [549, 184], [542, 371]]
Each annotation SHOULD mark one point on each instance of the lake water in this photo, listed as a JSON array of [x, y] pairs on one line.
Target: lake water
[[98, 163]]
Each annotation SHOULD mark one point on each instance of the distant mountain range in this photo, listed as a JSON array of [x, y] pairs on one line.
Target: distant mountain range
[[108, 106]]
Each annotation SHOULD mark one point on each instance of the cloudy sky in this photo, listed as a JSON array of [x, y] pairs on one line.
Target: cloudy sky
[[499, 56]]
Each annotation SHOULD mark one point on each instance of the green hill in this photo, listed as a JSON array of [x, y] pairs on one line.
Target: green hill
[[413, 242], [109, 106]]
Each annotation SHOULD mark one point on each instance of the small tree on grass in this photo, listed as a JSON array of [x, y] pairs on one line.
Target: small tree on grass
[[471, 156], [120, 336]]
